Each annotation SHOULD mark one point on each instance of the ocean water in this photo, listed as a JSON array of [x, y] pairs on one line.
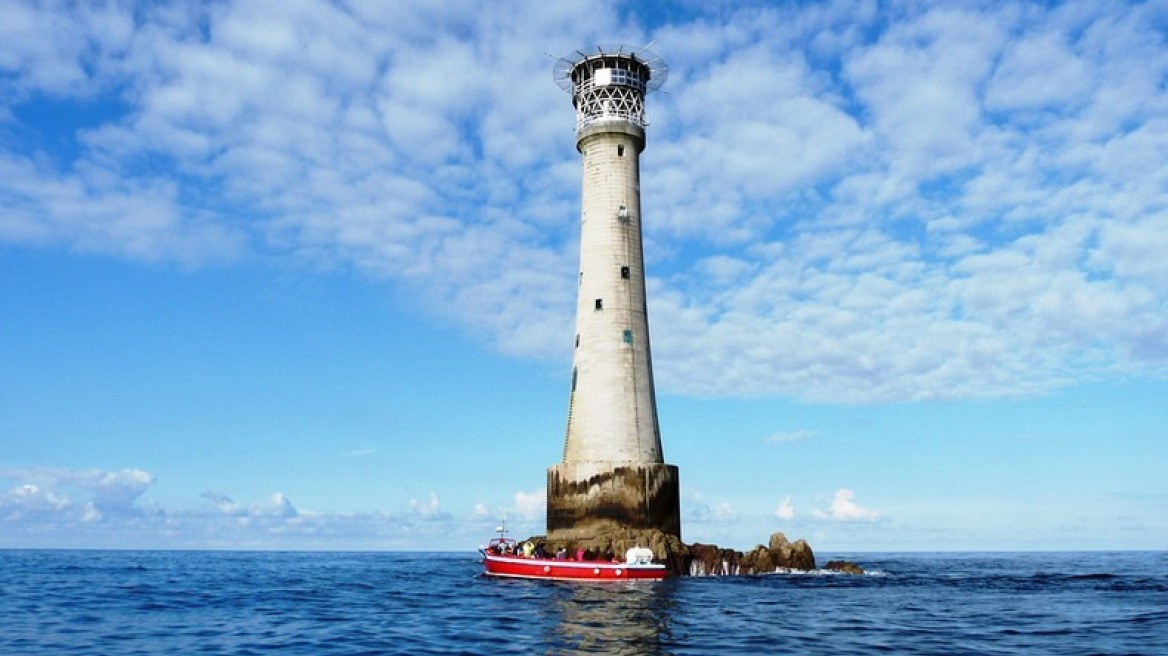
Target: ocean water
[[140, 602]]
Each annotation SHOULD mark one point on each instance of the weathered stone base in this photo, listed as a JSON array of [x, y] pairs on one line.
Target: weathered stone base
[[589, 499]]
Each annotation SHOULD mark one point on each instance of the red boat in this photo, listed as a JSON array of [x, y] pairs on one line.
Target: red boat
[[503, 557]]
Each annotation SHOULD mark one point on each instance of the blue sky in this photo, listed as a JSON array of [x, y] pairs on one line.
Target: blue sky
[[301, 276]]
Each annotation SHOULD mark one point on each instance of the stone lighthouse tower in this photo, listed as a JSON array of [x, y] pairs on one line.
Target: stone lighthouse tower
[[613, 475]]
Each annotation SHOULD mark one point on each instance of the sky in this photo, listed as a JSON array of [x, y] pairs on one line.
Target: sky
[[301, 275]]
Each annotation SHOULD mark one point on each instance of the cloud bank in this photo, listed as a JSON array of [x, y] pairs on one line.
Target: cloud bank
[[53, 507], [843, 202]]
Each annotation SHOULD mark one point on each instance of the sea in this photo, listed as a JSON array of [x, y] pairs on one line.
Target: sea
[[189, 602]]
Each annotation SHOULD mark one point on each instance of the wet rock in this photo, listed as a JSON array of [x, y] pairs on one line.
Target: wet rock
[[712, 560], [844, 566], [689, 560], [779, 555], [791, 555]]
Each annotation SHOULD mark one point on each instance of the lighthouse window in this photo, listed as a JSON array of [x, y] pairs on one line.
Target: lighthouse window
[[599, 304], [577, 340], [620, 150], [625, 272], [628, 337]]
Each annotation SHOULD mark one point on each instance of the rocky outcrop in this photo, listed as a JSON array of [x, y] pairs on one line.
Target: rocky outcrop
[[843, 566], [711, 560], [689, 560], [780, 554]]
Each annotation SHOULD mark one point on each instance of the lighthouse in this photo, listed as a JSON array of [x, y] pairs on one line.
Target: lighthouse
[[613, 474]]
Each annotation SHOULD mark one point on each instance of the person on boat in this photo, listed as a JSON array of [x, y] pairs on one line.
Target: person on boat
[[561, 554], [540, 552], [528, 549], [580, 555]]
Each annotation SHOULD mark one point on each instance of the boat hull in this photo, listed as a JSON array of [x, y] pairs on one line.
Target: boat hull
[[568, 570]]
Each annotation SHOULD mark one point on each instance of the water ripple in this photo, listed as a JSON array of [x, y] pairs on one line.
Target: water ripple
[[123, 603]]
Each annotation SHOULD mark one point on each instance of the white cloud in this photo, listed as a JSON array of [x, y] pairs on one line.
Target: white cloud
[[430, 509], [225, 504], [27, 498], [785, 510], [523, 516], [282, 507], [725, 512], [531, 506], [844, 509], [90, 492], [62, 51], [920, 83], [278, 506], [92, 211], [1039, 72], [114, 491], [697, 510], [695, 507]]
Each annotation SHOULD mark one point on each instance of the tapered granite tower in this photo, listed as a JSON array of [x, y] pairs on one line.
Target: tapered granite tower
[[613, 475]]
